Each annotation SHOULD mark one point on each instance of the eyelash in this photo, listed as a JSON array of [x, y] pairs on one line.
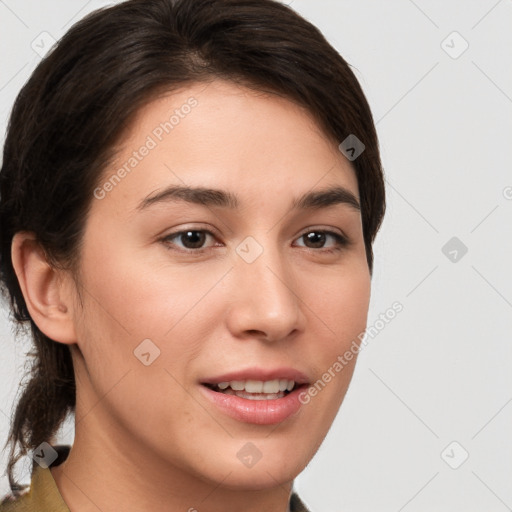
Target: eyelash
[[341, 241]]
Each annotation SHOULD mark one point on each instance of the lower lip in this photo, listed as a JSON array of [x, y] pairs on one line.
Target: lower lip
[[260, 412]]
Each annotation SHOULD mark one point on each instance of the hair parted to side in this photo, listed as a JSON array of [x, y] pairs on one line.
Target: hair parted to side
[[69, 116]]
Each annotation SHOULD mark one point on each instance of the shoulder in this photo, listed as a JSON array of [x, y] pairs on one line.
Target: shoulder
[[42, 494], [19, 503]]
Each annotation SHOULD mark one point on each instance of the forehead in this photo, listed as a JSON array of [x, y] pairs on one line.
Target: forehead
[[222, 135]]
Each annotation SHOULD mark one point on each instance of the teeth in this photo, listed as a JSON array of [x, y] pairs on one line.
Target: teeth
[[270, 387], [237, 385], [255, 396], [254, 386]]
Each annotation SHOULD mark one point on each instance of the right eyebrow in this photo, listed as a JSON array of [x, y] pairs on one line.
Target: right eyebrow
[[198, 195]]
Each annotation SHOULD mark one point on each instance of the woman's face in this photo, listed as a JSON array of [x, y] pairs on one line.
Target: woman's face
[[249, 287]]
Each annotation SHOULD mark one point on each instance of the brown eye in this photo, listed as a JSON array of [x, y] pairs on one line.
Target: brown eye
[[189, 239], [317, 239]]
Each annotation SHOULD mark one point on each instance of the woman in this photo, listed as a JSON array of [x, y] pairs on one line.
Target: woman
[[190, 191]]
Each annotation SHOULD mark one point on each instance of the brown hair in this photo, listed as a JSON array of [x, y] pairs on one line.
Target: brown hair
[[70, 114]]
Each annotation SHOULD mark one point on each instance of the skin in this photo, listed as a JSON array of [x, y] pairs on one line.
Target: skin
[[146, 438]]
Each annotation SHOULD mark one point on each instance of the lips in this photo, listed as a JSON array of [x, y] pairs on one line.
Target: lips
[[255, 395]]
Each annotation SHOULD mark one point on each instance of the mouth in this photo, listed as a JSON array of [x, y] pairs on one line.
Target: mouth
[[256, 396], [255, 389]]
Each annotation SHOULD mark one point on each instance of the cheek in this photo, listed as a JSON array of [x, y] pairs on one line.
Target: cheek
[[339, 313], [126, 304], [145, 295], [129, 299], [339, 301]]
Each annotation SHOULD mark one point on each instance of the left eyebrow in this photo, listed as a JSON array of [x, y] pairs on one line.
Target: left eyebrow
[[317, 199], [312, 200]]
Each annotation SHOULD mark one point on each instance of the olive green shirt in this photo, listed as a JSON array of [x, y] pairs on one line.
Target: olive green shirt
[[44, 496]]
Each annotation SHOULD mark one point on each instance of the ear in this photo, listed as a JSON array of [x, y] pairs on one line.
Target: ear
[[46, 290]]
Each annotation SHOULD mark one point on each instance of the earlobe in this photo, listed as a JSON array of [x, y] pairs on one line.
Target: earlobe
[[43, 287]]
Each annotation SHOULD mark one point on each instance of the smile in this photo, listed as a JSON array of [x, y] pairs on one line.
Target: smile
[[255, 396], [255, 389]]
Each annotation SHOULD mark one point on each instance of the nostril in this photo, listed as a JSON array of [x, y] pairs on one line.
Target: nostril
[[255, 332]]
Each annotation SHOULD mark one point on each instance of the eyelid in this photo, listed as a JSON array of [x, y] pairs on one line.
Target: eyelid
[[342, 241], [324, 229], [175, 234]]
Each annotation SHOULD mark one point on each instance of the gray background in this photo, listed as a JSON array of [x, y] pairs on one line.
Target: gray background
[[434, 386]]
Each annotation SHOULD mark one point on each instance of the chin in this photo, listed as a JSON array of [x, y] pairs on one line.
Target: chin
[[259, 465], [257, 479]]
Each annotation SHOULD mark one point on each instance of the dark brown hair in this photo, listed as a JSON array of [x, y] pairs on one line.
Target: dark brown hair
[[68, 117]]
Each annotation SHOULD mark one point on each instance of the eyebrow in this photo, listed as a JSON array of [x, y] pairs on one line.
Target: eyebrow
[[312, 200]]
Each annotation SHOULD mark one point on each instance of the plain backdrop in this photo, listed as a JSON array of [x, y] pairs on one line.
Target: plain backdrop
[[426, 424]]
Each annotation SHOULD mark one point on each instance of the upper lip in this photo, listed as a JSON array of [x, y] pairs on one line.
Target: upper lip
[[263, 374]]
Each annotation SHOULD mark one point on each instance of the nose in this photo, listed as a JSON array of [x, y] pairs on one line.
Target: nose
[[265, 302]]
